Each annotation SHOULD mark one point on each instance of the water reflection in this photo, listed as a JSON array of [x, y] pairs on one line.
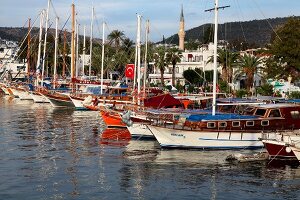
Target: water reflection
[[63, 154]]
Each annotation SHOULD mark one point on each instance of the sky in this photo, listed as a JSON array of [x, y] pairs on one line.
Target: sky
[[163, 14]]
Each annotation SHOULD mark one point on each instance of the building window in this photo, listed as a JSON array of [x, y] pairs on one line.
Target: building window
[[177, 70]]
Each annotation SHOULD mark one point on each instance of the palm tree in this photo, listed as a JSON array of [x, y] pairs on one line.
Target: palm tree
[[159, 62], [227, 60], [173, 57], [116, 37], [248, 65]]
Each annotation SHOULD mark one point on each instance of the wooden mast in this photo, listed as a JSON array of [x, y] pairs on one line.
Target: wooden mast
[[28, 51], [73, 48], [64, 54]]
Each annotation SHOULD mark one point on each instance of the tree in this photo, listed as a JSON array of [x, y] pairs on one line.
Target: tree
[[159, 62], [248, 65], [285, 47], [173, 57], [227, 60], [116, 37]]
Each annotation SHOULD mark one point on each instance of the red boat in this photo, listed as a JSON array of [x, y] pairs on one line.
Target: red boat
[[281, 147]]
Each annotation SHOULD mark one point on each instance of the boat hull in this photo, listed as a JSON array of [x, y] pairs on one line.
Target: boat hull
[[177, 138], [140, 131], [38, 98], [279, 150], [296, 151], [58, 102]]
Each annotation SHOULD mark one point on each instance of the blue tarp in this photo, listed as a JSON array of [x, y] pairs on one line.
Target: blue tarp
[[219, 117]]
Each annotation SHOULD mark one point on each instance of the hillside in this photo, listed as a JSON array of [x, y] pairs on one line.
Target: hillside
[[255, 31]]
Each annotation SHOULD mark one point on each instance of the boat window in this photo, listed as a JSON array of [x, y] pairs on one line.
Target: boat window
[[249, 123], [249, 111], [274, 113], [235, 124], [222, 124], [265, 123], [295, 114], [260, 112], [211, 124]]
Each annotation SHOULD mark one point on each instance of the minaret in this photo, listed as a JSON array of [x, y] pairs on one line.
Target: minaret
[[181, 32]]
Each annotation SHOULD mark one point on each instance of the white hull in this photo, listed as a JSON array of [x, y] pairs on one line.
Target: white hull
[[15, 92], [5, 90], [78, 104], [141, 131], [25, 95], [296, 151], [37, 98], [176, 138]]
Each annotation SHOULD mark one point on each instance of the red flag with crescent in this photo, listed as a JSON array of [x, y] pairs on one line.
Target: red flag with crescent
[[129, 72]]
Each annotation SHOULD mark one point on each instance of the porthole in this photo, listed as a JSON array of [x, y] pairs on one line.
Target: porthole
[[236, 124], [265, 123], [249, 123], [222, 124], [211, 124]]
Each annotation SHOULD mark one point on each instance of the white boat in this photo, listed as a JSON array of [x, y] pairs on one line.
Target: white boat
[[296, 151], [38, 98], [140, 131], [178, 138]]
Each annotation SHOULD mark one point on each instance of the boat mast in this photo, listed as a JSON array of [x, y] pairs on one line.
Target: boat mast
[[83, 57], [45, 42], [102, 60], [146, 52], [40, 38], [216, 9], [28, 52], [64, 56], [91, 43], [55, 53], [138, 42], [215, 59], [77, 49], [73, 47]]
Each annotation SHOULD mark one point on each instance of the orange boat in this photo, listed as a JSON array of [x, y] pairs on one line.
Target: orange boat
[[112, 119]]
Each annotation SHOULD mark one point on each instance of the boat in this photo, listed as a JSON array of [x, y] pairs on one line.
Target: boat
[[279, 148], [224, 130], [58, 99]]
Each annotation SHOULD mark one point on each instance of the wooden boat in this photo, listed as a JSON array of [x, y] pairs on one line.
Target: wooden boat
[[59, 99], [225, 131]]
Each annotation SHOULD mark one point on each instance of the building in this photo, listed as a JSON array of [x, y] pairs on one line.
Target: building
[[9, 64]]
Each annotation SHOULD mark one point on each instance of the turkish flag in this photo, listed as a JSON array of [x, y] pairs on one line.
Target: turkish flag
[[129, 72]]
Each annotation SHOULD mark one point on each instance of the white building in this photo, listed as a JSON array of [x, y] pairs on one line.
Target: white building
[[8, 62], [190, 60]]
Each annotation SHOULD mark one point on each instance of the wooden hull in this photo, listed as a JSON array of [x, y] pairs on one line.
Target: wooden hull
[[178, 138], [58, 101]]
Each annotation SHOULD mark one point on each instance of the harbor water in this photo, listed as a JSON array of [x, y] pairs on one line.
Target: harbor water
[[48, 153]]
